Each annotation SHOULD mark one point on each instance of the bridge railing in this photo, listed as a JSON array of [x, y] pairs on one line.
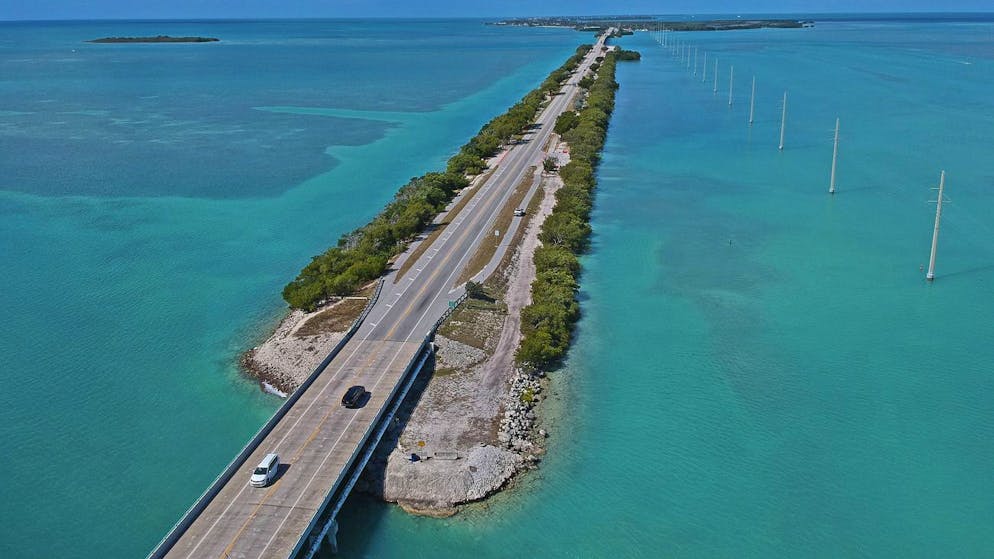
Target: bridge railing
[[225, 476]]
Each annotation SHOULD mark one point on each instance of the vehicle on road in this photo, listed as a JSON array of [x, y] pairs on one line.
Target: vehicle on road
[[354, 396], [519, 212], [265, 472]]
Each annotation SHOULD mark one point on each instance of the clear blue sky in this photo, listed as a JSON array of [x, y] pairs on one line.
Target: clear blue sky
[[153, 9]]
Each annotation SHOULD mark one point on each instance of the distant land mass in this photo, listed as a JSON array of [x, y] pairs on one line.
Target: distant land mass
[[156, 39], [647, 23]]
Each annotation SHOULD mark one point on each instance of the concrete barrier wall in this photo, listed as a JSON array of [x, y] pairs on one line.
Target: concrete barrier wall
[[198, 507]]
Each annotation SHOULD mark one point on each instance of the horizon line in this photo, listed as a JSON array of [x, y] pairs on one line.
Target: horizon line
[[503, 17]]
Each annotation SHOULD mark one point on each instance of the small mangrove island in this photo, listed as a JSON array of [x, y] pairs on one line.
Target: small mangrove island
[[156, 39]]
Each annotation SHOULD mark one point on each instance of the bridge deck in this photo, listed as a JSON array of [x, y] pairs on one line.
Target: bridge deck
[[316, 441]]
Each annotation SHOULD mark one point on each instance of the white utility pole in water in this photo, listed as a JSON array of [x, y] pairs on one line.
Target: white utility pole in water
[[783, 120], [752, 101], [716, 76], [935, 233], [704, 73], [731, 82], [835, 157], [695, 62]]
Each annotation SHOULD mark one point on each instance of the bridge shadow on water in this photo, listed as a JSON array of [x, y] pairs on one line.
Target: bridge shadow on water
[[364, 510]]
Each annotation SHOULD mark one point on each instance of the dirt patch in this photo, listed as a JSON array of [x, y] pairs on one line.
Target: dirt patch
[[475, 323], [336, 318]]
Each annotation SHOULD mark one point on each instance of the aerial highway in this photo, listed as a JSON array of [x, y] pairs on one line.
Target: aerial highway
[[318, 440]]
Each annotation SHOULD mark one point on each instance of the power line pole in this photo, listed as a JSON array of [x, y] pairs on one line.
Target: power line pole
[[783, 120], [935, 232], [752, 101], [835, 157]]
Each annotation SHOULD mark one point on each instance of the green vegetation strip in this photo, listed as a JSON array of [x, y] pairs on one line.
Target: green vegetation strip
[[363, 254], [547, 323]]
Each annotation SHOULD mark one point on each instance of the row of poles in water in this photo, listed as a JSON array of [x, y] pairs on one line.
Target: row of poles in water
[[682, 50]]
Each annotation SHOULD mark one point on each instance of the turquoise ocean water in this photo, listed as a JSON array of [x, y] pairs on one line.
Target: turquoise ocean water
[[154, 199], [761, 369], [800, 392]]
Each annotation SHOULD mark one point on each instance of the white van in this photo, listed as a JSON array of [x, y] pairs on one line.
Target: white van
[[265, 472]]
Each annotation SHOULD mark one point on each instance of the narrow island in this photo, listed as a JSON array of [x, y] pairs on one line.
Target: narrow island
[[156, 39], [627, 25], [476, 415]]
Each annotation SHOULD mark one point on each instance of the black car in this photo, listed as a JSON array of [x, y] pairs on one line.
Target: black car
[[354, 396]]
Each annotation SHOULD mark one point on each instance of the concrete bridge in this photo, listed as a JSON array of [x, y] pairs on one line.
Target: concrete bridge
[[324, 446]]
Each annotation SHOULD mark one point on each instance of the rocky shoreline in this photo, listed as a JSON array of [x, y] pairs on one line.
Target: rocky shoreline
[[299, 343]]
